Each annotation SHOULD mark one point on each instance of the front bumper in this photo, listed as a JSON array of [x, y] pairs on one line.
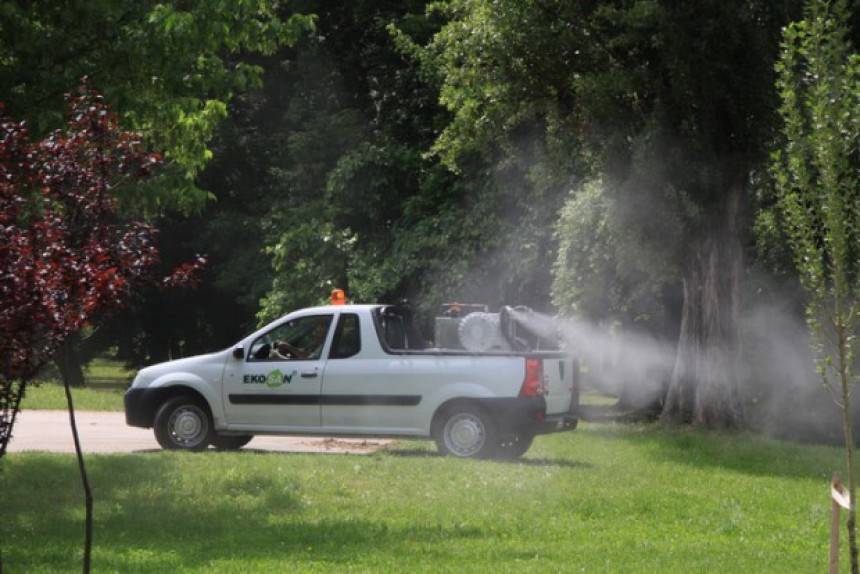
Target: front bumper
[[140, 405]]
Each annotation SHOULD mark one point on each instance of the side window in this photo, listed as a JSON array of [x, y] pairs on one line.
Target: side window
[[347, 337], [398, 332], [394, 335], [299, 339]]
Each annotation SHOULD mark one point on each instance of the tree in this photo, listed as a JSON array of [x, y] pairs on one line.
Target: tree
[[66, 254], [819, 204], [170, 70], [612, 277], [356, 201], [344, 126], [663, 99]]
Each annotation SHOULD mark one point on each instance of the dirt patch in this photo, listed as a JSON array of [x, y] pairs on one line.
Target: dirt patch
[[328, 444]]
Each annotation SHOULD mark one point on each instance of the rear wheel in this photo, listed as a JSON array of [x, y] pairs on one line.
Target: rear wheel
[[183, 423], [466, 431], [514, 445]]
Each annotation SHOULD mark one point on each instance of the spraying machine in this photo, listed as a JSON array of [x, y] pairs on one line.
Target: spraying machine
[[473, 328]]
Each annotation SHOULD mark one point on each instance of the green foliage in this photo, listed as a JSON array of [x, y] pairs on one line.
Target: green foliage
[[772, 249], [585, 265], [599, 74], [654, 98], [816, 171], [618, 255], [318, 126], [169, 69], [609, 269], [492, 60], [603, 499], [358, 204]]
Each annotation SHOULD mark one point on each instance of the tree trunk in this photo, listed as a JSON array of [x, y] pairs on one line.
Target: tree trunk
[[704, 387], [68, 361], [85, 482]]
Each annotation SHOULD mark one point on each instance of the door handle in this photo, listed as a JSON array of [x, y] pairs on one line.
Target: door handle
[[309, 374]]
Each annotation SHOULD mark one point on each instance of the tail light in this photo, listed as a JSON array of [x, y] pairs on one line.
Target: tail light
[[533, 385]]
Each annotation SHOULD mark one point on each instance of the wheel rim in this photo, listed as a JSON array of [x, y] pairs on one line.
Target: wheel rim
[[188, 426], [464, 434]]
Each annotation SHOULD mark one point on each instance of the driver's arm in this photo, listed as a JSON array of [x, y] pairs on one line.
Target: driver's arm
[[276, 354], [282, 347]]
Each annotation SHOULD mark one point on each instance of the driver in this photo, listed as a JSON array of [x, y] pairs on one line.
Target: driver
[[286, 350]]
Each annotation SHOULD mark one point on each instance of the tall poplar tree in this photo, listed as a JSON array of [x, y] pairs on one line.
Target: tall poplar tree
[[819, 199]]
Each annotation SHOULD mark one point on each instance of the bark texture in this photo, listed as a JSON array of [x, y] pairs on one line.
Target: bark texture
[[704, 388]]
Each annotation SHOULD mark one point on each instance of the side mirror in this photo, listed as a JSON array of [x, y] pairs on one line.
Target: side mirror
[[239, 352]]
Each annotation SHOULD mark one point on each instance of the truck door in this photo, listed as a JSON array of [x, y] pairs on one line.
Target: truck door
[[365, 389], [278, 383]]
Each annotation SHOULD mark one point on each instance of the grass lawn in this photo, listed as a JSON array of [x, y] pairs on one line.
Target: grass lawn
[[106, 382], [606, 498], [103, 372], [50, 395]]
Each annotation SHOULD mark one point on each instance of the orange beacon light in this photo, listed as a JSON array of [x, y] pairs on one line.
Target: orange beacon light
[[338, 297]]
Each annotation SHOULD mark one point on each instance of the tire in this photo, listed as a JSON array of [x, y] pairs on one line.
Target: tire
[[514, 445], [183, 423], [230, 442], [466, 431]]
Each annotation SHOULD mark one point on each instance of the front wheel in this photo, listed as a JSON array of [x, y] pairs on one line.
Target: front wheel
[[466, 431], [183, 423], [230, 442]]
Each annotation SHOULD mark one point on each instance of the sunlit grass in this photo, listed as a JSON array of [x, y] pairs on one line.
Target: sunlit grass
[[605, 498], [106, 372], [48, 396], [106, 382], [52, 396]]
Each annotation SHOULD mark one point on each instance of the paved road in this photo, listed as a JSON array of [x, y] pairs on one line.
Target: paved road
[[106, 432]]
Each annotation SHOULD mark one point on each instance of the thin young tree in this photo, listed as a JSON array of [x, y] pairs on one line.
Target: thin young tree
[[66, 254], [818, 195]]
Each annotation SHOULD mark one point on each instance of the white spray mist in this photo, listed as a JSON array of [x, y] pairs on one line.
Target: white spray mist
[[613, 361], [783, 395]]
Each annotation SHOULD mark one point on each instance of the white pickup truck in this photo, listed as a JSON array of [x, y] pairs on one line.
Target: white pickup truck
[[356, 371]]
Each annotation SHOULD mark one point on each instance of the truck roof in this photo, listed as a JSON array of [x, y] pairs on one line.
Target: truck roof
[[329, 308]]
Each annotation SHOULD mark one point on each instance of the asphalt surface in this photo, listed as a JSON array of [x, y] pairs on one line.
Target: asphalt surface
[[106, 432]]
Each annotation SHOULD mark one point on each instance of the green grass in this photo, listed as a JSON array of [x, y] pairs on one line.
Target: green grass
[[606, 498], [50, 395], [104, 372], [106, 381]]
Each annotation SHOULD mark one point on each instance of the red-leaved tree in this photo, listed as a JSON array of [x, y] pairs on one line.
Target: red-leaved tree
[[66, 253]]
